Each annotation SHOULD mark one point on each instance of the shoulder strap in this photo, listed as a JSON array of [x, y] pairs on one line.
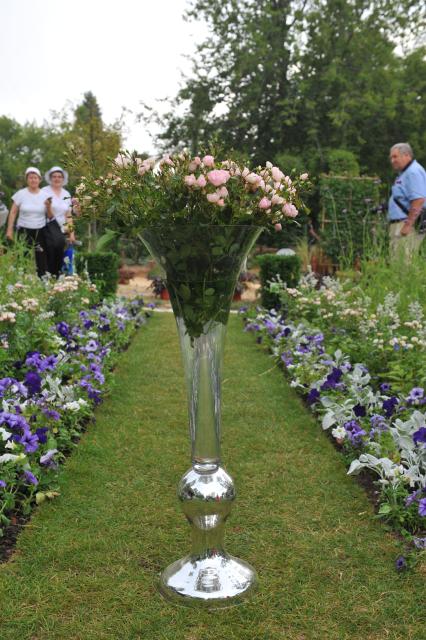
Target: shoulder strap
[[401, 206]]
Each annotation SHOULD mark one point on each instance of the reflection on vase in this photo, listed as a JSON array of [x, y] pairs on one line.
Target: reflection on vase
[[202, 266]]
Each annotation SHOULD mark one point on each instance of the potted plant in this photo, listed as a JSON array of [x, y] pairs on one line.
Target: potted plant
[[199, 218]]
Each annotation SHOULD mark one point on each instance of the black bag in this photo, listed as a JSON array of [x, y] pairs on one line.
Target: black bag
[[55, 239]]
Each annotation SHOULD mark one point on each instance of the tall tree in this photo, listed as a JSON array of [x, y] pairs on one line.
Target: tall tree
[[93, 141], [298, 75]]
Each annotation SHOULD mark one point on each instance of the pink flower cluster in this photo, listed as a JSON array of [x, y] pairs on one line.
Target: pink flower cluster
[[273, 187]]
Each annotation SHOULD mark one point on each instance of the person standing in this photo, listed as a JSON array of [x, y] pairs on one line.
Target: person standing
[[58, 205], [406, 202], [29, 205]]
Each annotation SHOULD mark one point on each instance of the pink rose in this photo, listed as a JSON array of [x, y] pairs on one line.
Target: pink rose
[[276, 199], [208, 161], [194, 164], [304, 176], [221, 202], [213, 197], [278, 226], [201, 181], [121, 160], [190, 180], [264, 203], [223, 192], [253, 178], [290, 210], [277, 174], [218, 177]]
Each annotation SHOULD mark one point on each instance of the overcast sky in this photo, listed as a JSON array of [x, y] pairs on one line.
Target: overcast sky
[[124, 51]]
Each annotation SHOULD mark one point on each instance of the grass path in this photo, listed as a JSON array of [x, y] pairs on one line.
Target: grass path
[[86, 565]]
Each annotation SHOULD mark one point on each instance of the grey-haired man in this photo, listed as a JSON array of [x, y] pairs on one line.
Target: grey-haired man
[[407, 200]]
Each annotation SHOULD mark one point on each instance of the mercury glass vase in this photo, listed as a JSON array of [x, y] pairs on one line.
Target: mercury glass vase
[[202, 264]]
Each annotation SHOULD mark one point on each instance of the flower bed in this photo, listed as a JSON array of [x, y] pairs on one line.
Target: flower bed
[[58, 344], [359, 370]]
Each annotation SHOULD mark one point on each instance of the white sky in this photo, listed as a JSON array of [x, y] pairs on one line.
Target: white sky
[[124, 51]]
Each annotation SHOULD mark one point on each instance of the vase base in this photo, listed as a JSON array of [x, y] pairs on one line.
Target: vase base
[[216, 581]]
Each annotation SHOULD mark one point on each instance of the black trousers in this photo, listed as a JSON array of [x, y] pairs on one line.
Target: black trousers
[[55, 259], [36, 240]]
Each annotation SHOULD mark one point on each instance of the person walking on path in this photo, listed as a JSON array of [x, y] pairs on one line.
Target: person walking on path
[[406, 202], [29, 205], [58, 205]]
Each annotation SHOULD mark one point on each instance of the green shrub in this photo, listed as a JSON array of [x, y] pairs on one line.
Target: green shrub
[[349, 224], [343, 163], [271, 266], [102, 269]]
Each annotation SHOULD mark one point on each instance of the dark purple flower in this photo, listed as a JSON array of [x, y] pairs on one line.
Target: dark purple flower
[[30, 477], [332, 379], [385, 387], [419, 436], [32, 382], [422, 507], [400, 563], [389, 405], [313, 396], [41, 434], [359, 410], [63, 329]]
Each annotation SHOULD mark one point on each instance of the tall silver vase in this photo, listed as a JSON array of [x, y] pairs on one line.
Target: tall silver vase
[[202, 264]]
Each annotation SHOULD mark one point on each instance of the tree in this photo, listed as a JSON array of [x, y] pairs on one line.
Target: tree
[[92, 141], [301, 77]]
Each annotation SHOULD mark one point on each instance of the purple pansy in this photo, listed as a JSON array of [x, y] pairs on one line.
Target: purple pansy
[[32, 382], [63, 329], [389, 406], [30, 477], [313, 396], [419, 436], [354, 431], [422, 507], [416, 396], [400, 563], [332, 379]]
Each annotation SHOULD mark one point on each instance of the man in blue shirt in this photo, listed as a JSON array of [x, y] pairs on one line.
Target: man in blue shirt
[[407, 200]]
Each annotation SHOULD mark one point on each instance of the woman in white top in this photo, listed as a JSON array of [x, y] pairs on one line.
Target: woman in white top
[[58, 205], [29, 206]]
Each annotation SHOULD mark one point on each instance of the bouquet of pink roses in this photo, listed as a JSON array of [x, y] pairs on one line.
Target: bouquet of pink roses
[[138, 193]]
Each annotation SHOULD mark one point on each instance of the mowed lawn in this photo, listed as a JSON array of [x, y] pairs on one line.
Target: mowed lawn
[[87, 564]]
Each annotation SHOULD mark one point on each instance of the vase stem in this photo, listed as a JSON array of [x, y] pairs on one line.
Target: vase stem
[[203, 358]]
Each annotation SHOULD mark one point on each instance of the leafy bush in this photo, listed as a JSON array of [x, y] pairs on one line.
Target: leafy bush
[[343, 163], [102, 269], [350, 224], [273, 267]]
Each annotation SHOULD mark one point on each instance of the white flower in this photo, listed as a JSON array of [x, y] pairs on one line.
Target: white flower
[[339, 433]]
